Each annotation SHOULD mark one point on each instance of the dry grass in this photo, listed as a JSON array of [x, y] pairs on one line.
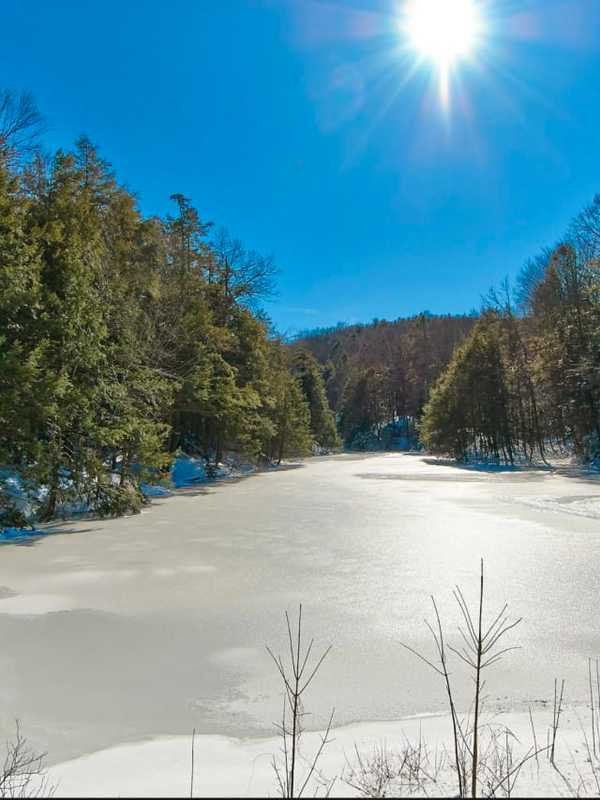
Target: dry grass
[[411, 770]]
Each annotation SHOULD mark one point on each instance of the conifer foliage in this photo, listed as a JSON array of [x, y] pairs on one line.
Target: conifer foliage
[[527, 384], [125, 338]]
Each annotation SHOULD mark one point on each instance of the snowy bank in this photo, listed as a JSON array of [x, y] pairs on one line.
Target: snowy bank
[[230, 767], [189, 470], [21, 534], [27, 498]]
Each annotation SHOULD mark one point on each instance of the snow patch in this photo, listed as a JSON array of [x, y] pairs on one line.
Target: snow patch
[[188, 471], [154, 490], [21, 534]]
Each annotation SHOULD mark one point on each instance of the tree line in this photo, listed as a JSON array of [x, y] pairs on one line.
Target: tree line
[[518, 380], [526, 382], [125, 337]]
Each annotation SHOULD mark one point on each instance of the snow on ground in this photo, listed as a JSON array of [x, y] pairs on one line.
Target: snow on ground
[[187, 471], [21, 534], [24, 497], [154, 490], [231, 767]]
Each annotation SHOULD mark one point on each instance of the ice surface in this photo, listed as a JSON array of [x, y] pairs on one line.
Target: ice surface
[[584, 506], [146, 626]]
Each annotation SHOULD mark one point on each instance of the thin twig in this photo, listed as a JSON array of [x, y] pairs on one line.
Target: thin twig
[[192, 770]]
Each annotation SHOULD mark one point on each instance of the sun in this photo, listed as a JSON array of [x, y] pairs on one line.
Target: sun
[[443, 31]]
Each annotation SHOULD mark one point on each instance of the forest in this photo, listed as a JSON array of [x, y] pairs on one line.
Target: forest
[[378, 377], [517, 381], [125, 338], [525, 384]]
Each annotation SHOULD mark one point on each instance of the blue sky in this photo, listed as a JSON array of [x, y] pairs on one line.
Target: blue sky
[[303, 127]]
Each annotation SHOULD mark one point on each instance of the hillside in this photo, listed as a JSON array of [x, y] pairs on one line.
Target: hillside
[[382, 372]]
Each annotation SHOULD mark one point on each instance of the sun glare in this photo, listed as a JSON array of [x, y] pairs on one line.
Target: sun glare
[[443, 30]]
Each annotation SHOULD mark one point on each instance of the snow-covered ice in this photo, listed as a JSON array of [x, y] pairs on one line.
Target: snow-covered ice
[[581, 505], [121, 631]]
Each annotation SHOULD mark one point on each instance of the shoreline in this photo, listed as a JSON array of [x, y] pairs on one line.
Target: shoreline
[[235, 472], [227, 766]]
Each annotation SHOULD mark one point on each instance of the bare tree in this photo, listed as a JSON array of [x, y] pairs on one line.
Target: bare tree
[[245, 275], [481, 648], [458, 736], [22, 775], [21, 123], [585, 231], [296, 679]]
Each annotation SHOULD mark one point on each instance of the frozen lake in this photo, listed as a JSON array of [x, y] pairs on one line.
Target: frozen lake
[[115, 631]]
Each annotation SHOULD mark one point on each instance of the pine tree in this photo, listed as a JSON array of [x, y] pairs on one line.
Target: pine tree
[[467, 412], [23, 391], [289, 434], [365, 408], [306, 369]]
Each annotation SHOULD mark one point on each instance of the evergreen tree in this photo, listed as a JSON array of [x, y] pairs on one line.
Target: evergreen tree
[[366, 407], [467, 412], [291, 435], [124, 338], [23, 391], [322, 423]]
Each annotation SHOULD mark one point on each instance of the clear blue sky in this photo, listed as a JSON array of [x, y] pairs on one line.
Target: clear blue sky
[[296, 124]]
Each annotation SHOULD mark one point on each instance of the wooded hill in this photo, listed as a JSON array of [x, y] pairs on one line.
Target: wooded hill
[[518, 381], [378, 376]]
